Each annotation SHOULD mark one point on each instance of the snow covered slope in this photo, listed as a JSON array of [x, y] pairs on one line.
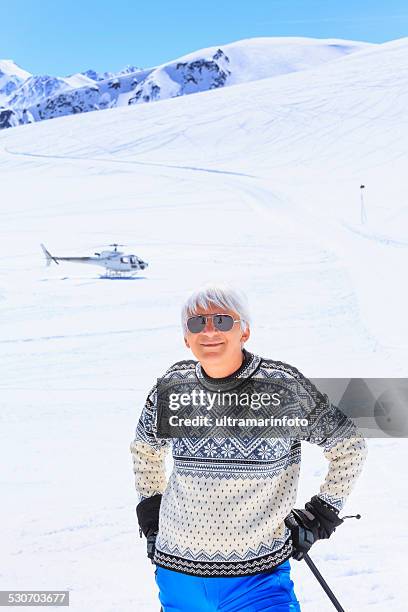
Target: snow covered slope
[[258, 185], [259, 58], [46, 97], [239, 62]]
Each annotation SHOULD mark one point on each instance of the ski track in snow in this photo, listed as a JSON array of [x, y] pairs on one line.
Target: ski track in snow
[[123, 161], [250, 206]]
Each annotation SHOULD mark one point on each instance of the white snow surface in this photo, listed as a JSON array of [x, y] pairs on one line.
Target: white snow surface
[[257, 185]]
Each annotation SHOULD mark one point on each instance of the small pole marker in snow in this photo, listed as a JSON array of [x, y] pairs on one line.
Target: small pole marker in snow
[[363, 211]]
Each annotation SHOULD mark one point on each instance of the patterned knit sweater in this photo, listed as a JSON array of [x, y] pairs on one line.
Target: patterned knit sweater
[[223, 508]]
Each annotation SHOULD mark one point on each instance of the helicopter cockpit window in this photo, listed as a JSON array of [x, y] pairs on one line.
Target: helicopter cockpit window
[[124, 259]]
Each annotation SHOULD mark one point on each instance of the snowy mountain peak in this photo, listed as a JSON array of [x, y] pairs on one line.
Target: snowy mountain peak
[[35, 89], [10, 68], [11, 77], [184, 77], [102, 76]]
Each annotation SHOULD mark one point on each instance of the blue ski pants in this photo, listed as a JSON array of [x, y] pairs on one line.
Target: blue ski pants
[[267, 592]]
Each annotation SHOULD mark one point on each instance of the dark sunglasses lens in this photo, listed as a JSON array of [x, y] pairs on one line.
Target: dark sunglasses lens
[[223, 322], [196, 324]]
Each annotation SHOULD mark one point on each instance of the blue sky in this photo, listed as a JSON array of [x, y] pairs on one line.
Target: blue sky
[[67, 36]]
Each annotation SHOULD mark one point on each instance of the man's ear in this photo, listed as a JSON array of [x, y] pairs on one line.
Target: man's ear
[[245, 335], [186, 342]]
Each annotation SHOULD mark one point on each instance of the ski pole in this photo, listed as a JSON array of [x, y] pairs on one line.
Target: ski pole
[[320, 578], [323, 583]]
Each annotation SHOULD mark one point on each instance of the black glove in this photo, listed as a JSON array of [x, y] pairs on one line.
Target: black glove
[[147, 512], [317, 521], [326, 515]]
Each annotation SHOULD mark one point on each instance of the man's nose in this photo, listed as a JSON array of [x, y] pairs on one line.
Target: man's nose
[[209, 325]]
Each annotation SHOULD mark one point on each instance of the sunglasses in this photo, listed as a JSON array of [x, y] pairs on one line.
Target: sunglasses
[[222, 322]]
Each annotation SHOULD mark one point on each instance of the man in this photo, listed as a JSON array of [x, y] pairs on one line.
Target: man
[[221, 531]]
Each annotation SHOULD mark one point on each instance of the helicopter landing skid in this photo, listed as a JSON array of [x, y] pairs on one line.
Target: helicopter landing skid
[[113, 274]]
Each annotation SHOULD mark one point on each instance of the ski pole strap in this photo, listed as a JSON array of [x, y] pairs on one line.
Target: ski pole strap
[[323, 583]]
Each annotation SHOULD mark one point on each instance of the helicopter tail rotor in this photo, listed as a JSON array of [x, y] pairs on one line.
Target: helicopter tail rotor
[[48, 257]]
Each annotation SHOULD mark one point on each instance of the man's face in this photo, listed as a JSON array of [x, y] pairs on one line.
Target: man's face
[[214, 345]]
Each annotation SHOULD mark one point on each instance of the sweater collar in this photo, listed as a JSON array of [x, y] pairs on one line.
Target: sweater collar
[[248, 367]]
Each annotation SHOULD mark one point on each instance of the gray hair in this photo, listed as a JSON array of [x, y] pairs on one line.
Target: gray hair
[[222, 296]]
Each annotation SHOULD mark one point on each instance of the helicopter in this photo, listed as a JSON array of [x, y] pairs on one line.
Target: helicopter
[[116, 263]]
